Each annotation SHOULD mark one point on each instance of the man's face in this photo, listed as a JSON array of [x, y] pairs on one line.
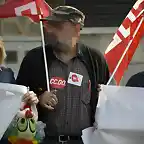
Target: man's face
[[61, 35]]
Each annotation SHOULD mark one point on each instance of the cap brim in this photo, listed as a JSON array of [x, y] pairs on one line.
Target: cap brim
[[52, 18]]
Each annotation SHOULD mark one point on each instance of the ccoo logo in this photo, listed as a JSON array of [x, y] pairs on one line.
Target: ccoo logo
[[57, 82]]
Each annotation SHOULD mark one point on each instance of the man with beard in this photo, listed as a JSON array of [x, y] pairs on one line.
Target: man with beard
[[75, 72]]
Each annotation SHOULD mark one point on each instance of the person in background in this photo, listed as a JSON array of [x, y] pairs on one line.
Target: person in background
[[7, 76], [75, 72], [137, 80]]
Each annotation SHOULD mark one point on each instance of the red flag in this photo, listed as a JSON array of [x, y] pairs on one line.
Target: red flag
[[122, 48], [43, 8], [29, 8]]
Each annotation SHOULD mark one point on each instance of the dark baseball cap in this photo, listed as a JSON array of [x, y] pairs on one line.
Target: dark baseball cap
[[66, 13]]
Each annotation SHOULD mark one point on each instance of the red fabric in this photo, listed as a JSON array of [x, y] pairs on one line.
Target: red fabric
[[123, 38], [29, 8]]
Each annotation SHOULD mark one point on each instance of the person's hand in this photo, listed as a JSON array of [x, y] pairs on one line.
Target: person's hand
[[48, 100], [30, 98], [98, 87]]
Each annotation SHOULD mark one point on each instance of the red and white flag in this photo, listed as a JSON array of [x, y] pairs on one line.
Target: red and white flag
[[29, 8], [125, 41]]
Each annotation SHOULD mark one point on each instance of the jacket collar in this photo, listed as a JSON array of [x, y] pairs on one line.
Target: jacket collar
[[50, 53]]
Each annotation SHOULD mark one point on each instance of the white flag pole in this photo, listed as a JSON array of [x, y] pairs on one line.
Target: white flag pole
[[127, 48], [44, 54]]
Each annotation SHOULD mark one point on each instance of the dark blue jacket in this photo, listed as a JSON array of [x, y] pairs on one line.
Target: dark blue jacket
[[137, 80], [6, 75]]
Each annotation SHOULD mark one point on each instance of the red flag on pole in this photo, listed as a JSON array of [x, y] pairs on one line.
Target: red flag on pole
[[29, 8], [122, 48], [44, 10], [35, 10]]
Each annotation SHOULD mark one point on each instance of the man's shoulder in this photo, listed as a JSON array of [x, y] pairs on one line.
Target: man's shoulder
[[36, 52], [93, 51], [136, 80], [138, 75]]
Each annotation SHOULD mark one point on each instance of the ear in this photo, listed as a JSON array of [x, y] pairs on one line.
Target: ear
[[78, 27]]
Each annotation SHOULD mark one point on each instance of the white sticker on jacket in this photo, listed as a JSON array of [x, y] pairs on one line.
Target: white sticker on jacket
[[75, 79]]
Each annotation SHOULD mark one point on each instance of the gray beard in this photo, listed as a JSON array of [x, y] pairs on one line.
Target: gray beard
[[61, 48]]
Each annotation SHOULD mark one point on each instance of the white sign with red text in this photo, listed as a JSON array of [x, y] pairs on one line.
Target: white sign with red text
[[75, 79]]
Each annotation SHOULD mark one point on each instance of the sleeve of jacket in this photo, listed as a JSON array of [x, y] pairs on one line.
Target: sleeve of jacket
[[101, 76], [24, 74], [101, 67], [11, 77], [7, 76]]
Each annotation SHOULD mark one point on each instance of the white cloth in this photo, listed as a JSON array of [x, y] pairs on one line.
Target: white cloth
[[10, 101], [119, 117], [87, 134]]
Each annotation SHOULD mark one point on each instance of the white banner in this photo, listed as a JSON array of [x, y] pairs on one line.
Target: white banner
[[119, 117], [10, 100]]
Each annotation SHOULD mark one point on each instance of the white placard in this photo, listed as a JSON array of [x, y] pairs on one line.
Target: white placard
[[119, 117], [10, 101]]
